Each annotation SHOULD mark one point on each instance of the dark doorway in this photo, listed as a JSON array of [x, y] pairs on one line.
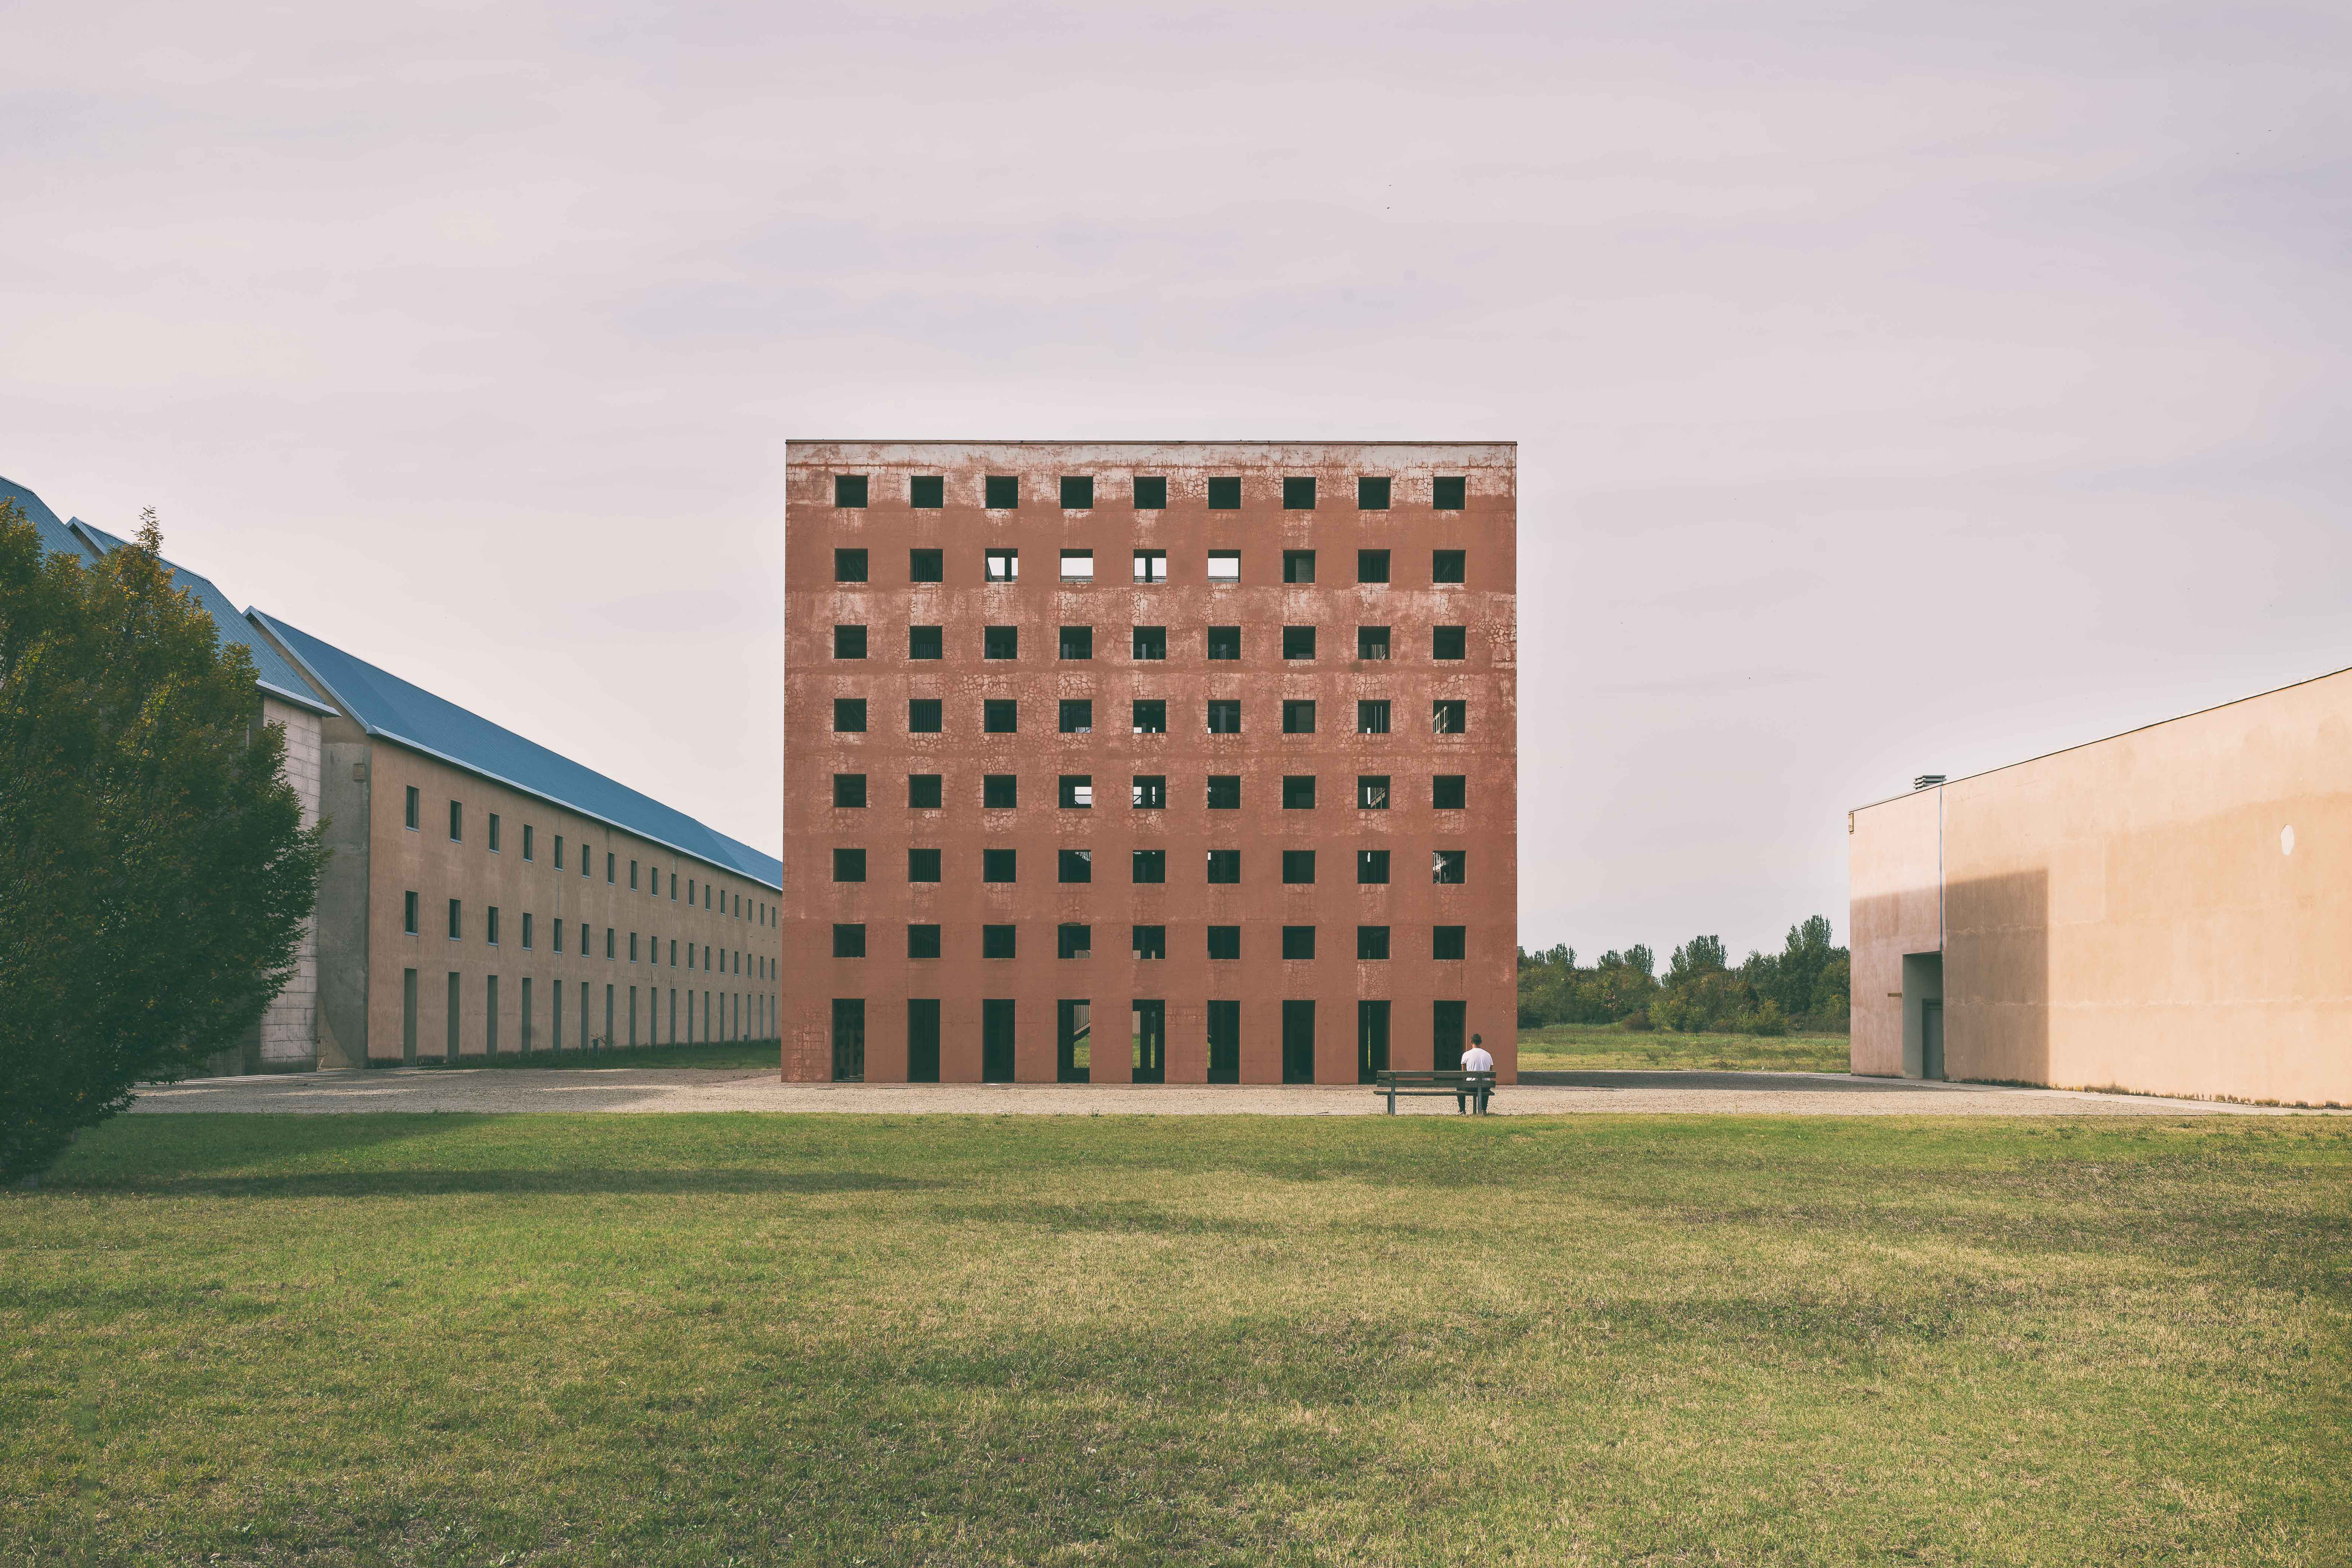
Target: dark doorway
[[1931, 1037], [1447, 1020], [1073, 1041], [996, 1040], [849, 1039], [922, 1040], [1298, 1042], [408, 1016], [1150, 1028], [1225, 1042], [1371, 1040]]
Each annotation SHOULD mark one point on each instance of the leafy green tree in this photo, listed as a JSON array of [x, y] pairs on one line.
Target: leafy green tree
[[155, 871]]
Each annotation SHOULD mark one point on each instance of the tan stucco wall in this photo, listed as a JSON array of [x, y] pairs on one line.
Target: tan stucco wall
[[1896, 910], [425, 859], [290, 1029], [2127, 914]]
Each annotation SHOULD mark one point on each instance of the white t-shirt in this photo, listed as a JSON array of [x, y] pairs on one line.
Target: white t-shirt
[[1477, 1058]]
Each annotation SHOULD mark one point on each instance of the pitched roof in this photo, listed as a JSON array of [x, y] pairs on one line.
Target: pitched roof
[[88, 543], [398, 711]]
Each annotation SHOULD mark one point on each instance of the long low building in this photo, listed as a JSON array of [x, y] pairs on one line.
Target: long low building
[[2166, 911], [487, 895]]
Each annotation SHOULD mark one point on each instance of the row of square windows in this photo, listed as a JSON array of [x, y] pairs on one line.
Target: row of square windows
[[1001, 492], [1149, 792], [411, 911], [1147, 716], [1447, 568], [1149, 941], [1448, 867], [413, 816], [1149, 644]]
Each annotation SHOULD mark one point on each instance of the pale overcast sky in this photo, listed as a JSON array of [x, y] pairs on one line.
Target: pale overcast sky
[[1899, 387]]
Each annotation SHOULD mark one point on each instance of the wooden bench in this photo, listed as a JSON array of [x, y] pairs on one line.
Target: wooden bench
[[1474, 1086]]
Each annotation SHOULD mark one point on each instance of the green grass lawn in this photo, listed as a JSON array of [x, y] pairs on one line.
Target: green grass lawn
[[728, 1053], [1081, 1341], [1591, 1047]]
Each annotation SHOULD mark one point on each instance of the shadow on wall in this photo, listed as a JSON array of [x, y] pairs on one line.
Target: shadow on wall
[[1996, 980]]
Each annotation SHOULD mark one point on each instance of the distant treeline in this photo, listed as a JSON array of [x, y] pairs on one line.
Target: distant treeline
[[1802, 986]]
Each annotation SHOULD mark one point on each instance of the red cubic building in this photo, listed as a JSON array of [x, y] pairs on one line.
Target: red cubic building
[[1148, 761]]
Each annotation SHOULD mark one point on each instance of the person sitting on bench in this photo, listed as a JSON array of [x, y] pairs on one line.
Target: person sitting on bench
[[1477, 1058]]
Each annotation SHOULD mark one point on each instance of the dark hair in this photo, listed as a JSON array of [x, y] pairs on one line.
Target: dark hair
[[1477, 1039]]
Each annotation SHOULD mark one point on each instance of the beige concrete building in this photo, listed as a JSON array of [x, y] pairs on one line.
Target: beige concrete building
[[2166, 911], [485, 895]]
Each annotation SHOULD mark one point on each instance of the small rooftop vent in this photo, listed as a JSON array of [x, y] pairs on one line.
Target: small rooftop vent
[[1926, 781]]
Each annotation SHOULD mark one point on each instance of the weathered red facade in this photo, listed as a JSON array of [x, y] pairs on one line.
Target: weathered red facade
[[850, 1015]]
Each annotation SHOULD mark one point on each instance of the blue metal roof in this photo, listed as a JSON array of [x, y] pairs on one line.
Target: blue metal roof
[[87, 543], [395, 709]]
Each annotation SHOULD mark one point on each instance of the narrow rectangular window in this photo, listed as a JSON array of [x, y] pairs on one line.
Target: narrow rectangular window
[[457, 929], [997, 865], [1297, 866], [1371, 494], [1298, 792], [849, 790], [849, 566], [1449, 642], [848, 716], [1077, 565], [1371, 942], [1150, 566], [848, 941], [556, 932], [1078, 492], [1225, 943], [1073, 940], [608, 941], [1298, 941], [408, 920], [1298, 565], [1224, 565], [922, 941], [1148, 793], [529, 844], [923, 1039], [996, 941], [849, 642], [559, 852], [526, 931], [1298, 495], [1225, 792], [1225, 1042], [1298, 642], [924, 792], [1447, 566], [849, 865], [491, 925], [1077, 642], [612, 869], [926, 642], [927, 492], [1001, 492], [1449, 717], [1150, 866], [1149, 643], [411, 817], [849, 489], [1000, 792], [1150, 494], [924, 716], [1448, 942], [456, 823], [1449, 493], [632, 947], [1149, 942], [1225, 494], [927, 566], [1450, 866], [1371, 866], [1298, 718], [1225, 717], [493, 833]]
